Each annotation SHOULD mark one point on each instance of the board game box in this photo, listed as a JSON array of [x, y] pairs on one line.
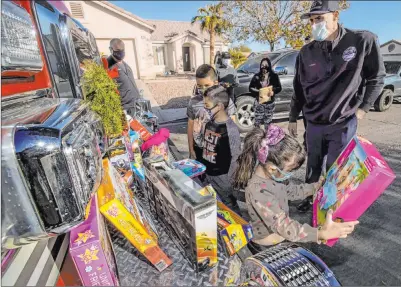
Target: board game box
[[188, 212], [190, 167], [91, 250], [356, 179], [234, 230]]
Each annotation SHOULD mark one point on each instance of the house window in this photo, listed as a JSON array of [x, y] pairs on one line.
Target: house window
[[77, 10], [159, 56]]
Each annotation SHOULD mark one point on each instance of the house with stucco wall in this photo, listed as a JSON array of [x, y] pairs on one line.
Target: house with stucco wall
[[152, 46], [391, 50]]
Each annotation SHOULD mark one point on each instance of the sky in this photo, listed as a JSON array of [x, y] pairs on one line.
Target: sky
[[380, 17]]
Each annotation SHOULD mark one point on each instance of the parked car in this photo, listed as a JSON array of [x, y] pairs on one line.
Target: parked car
[[283, 62], [392, 86]]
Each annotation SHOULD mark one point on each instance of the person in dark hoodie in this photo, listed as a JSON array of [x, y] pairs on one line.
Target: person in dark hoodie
[[265, 78], [227, 75], [127, 87]]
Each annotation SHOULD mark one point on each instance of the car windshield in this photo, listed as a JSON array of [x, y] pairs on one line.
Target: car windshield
[[392, 67], [253, 65]]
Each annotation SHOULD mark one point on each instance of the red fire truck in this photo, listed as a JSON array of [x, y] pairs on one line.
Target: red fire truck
[[52, 143]]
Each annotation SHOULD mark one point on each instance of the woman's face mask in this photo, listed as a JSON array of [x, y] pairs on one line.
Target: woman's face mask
[[264, 67]]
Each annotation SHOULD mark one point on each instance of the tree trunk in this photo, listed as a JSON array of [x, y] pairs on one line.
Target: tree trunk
[[212, 48], [271, 46]]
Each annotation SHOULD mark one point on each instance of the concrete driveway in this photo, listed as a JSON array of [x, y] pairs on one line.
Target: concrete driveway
[[372, 255]]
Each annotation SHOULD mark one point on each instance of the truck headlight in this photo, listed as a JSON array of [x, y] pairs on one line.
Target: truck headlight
[[19, 45]]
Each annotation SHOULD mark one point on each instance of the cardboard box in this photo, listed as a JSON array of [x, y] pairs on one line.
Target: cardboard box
[[352, 184], [136, 163], [92, 252], [234, 230], [139, 128], [118, 206], [190, 217], [190, 167]]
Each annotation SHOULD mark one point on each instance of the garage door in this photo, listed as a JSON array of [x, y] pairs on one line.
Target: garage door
[[104, 44]]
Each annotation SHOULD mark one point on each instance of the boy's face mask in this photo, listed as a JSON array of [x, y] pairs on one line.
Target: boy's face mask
[[202, 85], [211, 113]]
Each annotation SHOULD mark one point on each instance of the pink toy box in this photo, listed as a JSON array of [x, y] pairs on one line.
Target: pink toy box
[[91, 250], [352, 184]]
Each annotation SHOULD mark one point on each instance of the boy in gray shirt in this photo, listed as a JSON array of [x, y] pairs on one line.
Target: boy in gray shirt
[[206, 77]]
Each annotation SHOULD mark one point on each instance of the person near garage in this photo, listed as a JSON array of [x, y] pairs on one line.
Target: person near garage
[[127, 88], [339, 75]]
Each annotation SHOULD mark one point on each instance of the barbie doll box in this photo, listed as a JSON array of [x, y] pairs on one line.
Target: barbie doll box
[[91, 250], [117, 204], [352, 184]]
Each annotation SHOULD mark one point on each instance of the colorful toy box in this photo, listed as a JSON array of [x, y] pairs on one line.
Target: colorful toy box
[[140, 129], [119, 207], [92, 252], [352, 184], [188, 212], [234, 230], [190, 167], [136, 163]]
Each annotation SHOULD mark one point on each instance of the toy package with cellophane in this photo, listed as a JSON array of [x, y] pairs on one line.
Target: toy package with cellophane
[[136, 163], [234, 230], [143, 132], [352, 184], [190, 167], [118, 206], [188, 212], [91, 250]]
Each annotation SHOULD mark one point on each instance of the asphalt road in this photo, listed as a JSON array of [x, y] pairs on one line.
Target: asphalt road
[[371, 256]]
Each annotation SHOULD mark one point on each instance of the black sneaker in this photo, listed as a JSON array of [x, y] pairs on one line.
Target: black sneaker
[[305, 205]]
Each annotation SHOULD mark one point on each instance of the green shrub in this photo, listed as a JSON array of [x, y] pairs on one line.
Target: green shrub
[[101, 93]]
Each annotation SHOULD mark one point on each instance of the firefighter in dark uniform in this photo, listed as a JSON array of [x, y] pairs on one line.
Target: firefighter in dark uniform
[[339, 75], [127, 88]]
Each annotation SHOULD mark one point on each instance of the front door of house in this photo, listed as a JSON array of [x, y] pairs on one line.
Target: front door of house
[[186, 59]]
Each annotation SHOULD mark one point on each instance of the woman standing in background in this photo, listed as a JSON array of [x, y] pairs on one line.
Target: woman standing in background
[[265, 78]]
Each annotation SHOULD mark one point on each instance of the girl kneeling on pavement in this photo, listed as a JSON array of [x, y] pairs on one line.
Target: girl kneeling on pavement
[[268, 159]]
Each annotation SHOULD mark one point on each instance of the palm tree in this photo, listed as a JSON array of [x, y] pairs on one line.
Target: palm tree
[[211, 20]]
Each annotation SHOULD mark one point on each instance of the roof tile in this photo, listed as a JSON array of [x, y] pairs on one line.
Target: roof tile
[[165, 30]]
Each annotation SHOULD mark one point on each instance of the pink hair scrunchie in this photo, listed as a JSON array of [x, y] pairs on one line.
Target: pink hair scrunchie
[[274, 135]]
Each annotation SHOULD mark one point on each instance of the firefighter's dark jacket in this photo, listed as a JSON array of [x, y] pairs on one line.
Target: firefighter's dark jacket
[[334, 79]]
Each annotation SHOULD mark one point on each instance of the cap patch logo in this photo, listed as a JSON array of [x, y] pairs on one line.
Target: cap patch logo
[[316, 3], [349, 54]]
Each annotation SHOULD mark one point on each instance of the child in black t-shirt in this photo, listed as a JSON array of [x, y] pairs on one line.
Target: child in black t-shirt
[[221, 144]]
